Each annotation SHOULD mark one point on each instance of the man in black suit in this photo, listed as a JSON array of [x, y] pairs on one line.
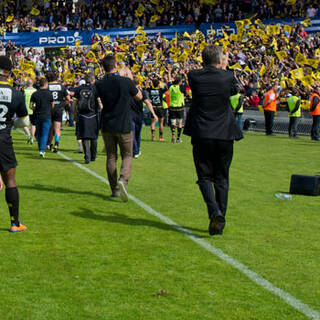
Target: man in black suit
[[212, 127]]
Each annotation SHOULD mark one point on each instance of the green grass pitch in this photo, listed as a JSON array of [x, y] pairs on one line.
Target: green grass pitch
[[85, 256]]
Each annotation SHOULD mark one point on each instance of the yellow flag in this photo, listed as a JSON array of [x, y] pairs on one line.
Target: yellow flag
[[160, 9], [300, 59], [317, 53], [306, 22], [138, 13], [94, 46], [290, 82], [106, 39], [287, 28], [212, 31], [124, 47], [156, 2], [273, 30], [305, 104], [9, 18], [262, 71], [239, 24], [203, 44], [120, 57], [208, 1], [183, 57], [281, 54], [90, 55], [297, 73], [312, 62], [291, 2], [78, 42], [271, 63], [186, 35], [235, 66], [307, 81], [136, 68], [154, 18], [247, 69], [35, 12], [141, 7]]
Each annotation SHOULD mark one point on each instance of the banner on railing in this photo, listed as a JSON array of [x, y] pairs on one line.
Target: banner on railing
[[64, 38]]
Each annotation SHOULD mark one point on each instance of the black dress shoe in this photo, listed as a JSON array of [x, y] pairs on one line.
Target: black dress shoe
[[214, 225]]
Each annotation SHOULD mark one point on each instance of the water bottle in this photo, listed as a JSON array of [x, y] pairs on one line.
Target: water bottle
[[283, 196]]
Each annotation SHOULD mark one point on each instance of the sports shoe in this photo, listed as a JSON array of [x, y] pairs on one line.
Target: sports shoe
[[179, 140], [153, 138], [173, 139], [14, 228], [31, 141], [123, 190], [42, 154], [162, 140], [115, 194], [55, 149]]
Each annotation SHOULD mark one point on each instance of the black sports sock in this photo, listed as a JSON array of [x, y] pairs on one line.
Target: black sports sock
[[152, 132], [160, 134], [179, 132], [12, 198], [173, 130]]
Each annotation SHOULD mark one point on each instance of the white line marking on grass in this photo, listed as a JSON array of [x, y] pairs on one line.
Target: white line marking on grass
[[255, 277]]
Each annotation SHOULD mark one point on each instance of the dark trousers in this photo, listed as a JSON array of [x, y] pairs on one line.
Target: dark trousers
[[212, 159], [89, 149], [111, 142], [137, 126], [315, 129], [293, 126], [269, 118]]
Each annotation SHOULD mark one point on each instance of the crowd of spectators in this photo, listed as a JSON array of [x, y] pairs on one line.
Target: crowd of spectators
[[63, 15], [287, 56]]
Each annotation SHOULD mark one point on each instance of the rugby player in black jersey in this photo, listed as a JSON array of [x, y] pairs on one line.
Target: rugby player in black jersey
[[11, 102], [60, 94]]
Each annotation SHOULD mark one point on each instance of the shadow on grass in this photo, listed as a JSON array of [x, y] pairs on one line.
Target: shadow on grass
[[41, 187], [113, 217], [4, 230]]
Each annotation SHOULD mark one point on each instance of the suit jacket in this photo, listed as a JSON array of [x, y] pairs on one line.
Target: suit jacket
[[210, 115]]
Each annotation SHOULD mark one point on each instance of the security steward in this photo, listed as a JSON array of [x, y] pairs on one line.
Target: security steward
[[294, 107], [237, 106], [270, 108], [315, 112]]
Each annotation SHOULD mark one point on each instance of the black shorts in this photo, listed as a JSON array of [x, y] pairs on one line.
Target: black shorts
[[32, 119], [57, 114], [159, 111], [7, 157], [175, 114]]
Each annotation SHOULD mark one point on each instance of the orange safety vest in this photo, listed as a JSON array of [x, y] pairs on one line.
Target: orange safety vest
[[316, 111], [272, 103]]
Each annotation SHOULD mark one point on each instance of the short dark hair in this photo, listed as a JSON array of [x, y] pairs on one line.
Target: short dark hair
[[51, 76], [42, 82], [155, 82], [108, 62], [211, 55], [5, 63], [177, 80], [89, 77]]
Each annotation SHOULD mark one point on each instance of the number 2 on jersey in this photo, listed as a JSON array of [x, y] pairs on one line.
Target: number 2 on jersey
[[3, 113]]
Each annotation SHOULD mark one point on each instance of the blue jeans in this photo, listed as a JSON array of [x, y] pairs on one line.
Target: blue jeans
[[239, 120], [136, 126], [42, 132]]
